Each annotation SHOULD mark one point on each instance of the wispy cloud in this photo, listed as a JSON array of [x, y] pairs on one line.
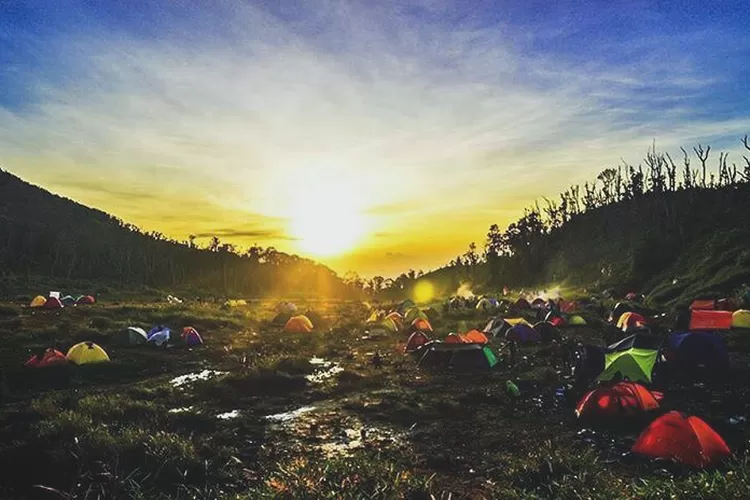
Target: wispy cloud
[[420, 114]]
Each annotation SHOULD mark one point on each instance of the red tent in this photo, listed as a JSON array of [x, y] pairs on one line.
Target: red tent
[[416, 340], [631, 296], [557, 321], [703, 304], [688, 440], [710, 320], [51, 357], [86, 299], [625, 399], [454, 338], [568, 307], [53, 303]]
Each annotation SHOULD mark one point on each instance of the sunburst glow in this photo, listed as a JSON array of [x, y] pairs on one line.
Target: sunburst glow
[[326, 219]]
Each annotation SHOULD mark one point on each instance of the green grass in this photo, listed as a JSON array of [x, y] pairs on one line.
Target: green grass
[[121, 430]]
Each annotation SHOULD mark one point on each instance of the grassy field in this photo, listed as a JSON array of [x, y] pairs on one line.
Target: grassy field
[[260, 420]]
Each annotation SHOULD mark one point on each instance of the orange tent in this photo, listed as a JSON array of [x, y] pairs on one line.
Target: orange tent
[[707, 304], [631, 320], [421, 325], [454, 338], [298, 324], [475, 337], [622, 399], [710, 320], [688, 440]]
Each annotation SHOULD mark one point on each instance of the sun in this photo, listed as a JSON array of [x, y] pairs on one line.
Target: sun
[[326, 220]]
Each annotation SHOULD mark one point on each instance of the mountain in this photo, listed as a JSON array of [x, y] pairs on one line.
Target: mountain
[[50, 239]]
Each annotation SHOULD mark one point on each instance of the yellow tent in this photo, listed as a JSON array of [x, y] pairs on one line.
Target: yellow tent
[[375, 316], [235, 303], [741, 319], [85, 353], [298, 324], [38, 301], [576, 320]]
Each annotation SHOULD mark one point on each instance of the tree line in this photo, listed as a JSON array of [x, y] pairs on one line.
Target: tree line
[[42, 234]]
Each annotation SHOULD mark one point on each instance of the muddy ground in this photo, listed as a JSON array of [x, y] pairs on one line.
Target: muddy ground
[[258, 413]]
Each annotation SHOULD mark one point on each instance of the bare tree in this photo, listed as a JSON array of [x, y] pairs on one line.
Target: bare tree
[[702, 155]]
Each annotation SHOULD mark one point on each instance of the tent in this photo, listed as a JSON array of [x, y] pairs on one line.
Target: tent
[[589, 361], [620, 309], [454, 338], [416, 340], [684, 439], [703, 305], [159, 335], [85, 299], [634, 364], [68, 300], [287, 308], [281, 319], [523, 334], [710, 320], [299, 324], [235, 303], [53, 303], [557, 321], [414, 313], [191, 337], [517, 321], [727, 304], [485, 304], [406, 305], [631, 296], [521, 303], [475, 337], [538, 303], [38, 301], [395, 316], [315, 318], [547, 331], [50, 357], [741, 318], [85, 353], [624, 399], [568, 307], [496, 327], [132, 335], [576, 320], [630, 321], [422, 325], [637, 340], [461, 357], [697, 349]]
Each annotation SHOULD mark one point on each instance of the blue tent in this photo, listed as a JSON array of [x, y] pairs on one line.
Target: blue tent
[[694, 349]]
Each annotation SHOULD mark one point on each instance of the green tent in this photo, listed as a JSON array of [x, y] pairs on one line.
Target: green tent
[[635, 364], [576, 320], [413, 314]]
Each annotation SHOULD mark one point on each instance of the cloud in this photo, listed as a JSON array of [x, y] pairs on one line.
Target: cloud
[[423, 110]]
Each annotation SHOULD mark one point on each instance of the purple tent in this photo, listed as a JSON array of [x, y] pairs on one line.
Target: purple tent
[[523, 333]]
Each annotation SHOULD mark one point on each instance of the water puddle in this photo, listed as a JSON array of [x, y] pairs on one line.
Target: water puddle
[[194, 377], [324, 370], [228, 415], [183, 409], [331, 432], [290, 415]]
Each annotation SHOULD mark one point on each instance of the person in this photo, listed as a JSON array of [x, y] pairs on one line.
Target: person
[[513, 348]]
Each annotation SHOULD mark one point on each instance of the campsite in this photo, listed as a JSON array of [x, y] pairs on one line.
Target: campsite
[[267, 408]]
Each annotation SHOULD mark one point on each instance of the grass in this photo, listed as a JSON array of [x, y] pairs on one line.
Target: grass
[[122, 430]]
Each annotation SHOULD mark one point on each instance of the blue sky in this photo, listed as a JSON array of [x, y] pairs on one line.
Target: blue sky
[[247, 106]]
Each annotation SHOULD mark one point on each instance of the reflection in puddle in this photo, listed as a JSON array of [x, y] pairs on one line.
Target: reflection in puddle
[[290, 415], [183, 409], [324, 370], [228, 415], [194, 377]]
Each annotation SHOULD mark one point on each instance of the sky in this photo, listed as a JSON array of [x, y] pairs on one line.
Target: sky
[[372, 136]]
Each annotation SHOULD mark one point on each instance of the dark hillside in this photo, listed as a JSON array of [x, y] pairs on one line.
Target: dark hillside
[[45, 235]]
